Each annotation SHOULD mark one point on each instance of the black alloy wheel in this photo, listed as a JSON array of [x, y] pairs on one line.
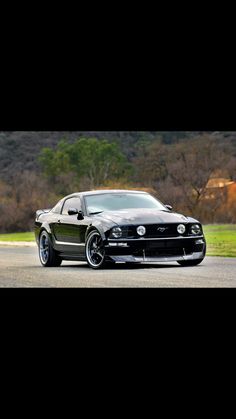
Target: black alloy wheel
[[47, 255], [95, 251]]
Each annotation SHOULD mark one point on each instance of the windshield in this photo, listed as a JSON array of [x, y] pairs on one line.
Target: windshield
[[116, 202]]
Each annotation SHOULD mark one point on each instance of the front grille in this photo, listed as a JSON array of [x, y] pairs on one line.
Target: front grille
[[166, 248], [158, 248], [157, 231]]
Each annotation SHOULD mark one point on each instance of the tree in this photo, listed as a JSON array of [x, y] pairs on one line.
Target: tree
[[180, 172], [55, 162], [91, 161], [21, 198]]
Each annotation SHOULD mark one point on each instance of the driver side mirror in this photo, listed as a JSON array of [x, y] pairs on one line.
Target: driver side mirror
[[80, 215], [169, 207], [74, 211]]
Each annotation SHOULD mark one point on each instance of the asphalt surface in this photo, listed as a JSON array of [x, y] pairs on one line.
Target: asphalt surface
[[20, 267]]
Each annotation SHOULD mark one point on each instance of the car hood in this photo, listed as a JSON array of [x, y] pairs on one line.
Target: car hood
[[143, 216]]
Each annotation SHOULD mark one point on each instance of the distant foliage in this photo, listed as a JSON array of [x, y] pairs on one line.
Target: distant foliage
[[37, 168], [89, 161], [19, 150], [21, 198], [180, 173]]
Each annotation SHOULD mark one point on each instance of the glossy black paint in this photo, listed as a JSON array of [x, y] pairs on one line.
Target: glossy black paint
[[68, 233]]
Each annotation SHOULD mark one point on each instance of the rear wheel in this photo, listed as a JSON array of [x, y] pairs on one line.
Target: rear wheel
[[47, 255], [190, 262], [95, 251]]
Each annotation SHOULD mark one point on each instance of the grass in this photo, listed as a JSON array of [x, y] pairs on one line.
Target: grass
[[15, 237], [221, 239]]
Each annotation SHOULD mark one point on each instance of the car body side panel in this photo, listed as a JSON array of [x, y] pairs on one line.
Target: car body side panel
[[69, 234], [44, 222], [102, 226]]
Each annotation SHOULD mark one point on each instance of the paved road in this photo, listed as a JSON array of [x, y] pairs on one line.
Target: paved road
[[20, 267]]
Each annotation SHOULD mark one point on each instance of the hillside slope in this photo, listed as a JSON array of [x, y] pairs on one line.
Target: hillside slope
[[19, 150]]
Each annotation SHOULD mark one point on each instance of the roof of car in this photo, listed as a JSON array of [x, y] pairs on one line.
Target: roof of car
[[105, 191]]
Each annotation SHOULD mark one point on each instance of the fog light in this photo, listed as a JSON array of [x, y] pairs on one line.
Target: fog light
[[181, 229], [200, 241], [116, 232], [141, 230], [195, 229]]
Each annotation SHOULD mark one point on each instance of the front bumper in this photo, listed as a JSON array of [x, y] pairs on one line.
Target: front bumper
[[156, 250]]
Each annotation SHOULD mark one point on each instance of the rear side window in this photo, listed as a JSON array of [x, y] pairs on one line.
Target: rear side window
[[71, 203]]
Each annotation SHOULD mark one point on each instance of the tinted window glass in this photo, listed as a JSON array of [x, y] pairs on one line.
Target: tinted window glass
[[57, 208], [71, 203], [116, 202]]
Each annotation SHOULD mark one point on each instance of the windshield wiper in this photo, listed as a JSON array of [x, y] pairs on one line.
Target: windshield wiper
[[94, 213]]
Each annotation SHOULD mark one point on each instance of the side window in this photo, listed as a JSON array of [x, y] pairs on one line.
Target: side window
[[71, 203]]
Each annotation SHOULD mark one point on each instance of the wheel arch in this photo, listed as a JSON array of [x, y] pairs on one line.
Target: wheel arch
[[95, 227], [45, 227]]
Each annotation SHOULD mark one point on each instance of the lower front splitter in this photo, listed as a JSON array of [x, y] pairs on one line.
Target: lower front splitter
[[144, 258]]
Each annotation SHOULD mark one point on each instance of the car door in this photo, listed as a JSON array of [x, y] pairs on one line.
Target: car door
[[69, 232]]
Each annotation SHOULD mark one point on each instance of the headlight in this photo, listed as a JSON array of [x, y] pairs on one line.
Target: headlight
[[141, 230], [181, 228], [195, 229], [116, 232]]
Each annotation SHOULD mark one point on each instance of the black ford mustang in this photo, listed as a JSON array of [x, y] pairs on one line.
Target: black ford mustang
[[117, 226]]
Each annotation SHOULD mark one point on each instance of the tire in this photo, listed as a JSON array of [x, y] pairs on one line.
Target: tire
[[190, 262], [47, 255], [95, 251]]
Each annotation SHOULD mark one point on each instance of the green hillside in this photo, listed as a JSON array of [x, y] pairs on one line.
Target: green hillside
[[19, 150]]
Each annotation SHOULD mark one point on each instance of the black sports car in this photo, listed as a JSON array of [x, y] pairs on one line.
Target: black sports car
[[117, 226]]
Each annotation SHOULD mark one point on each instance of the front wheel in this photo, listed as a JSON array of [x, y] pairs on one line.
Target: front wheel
[[190, 262], [95, 251], [47, 255]]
